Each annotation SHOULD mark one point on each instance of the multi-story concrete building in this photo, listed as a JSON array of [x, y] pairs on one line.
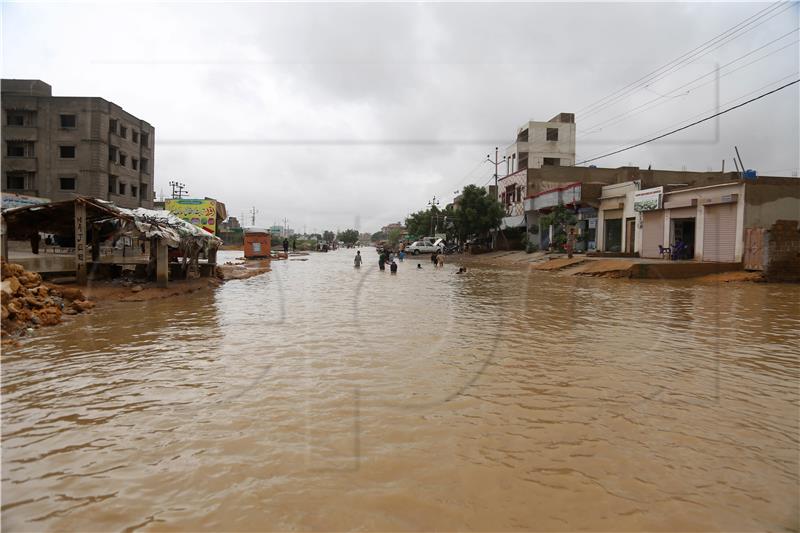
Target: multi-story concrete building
[[543, 144], [59, 146]]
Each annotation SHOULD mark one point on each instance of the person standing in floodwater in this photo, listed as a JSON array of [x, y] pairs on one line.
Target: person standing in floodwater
[[382, 261], [433, 258], [570, 246], [357, 260], [294, 244], [286, 246], [393, 267]]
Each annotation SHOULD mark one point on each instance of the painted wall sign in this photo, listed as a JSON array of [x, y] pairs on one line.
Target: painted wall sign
[[201, 213], [12, 200], [648, 199]]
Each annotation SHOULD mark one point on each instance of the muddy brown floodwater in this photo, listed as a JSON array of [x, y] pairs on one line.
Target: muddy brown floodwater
[[319, 397]]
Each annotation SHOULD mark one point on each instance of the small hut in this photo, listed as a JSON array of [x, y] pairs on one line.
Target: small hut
[[257, 242], [90, 225]]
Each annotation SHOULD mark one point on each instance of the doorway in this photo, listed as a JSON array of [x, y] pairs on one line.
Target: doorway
[[630, 234], [683, 232], [613, 236]]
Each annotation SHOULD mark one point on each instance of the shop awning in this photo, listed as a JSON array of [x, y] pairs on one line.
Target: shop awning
[[513, 222]]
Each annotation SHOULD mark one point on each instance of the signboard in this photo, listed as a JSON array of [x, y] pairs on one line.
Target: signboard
[[12, 200], [648, 199], [201, 213]]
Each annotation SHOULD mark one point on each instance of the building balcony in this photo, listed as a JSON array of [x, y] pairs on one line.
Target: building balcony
[[29, 164], [20, 133], [569, 194]]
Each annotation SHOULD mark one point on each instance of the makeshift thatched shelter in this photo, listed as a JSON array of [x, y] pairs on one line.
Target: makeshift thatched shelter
[[90, 221]]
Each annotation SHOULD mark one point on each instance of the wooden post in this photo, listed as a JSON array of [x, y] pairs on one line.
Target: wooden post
[[95, 245], [162, 263], [80, 243], [5, 240]]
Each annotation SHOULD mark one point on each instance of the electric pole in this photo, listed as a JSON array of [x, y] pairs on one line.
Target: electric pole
[[178, 189], [433, 203], [253, 213], [496, 163]]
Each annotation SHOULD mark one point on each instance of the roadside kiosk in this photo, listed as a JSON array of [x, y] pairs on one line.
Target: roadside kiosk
[[257, 242]]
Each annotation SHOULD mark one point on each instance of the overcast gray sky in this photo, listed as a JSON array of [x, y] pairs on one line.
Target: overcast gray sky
[[342, 115]]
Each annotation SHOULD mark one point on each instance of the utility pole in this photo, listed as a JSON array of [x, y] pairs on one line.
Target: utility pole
[[433, 203], [496, 163], [178, 189], [253, 213]]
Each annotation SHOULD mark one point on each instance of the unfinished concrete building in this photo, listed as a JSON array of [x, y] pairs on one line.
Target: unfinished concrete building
[[58, 147]]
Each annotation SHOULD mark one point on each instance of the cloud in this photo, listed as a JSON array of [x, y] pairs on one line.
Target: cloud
[[330, 113]]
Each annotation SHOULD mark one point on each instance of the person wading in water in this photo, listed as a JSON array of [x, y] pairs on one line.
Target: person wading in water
[[357, 260]]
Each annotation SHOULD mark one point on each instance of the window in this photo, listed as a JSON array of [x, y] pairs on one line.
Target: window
[[143, 191], [15, 118], [145, 163], [112, 153], [134, 163], [135, 136], [66, 152], [20, 117], [16, 181], [551, 162], [69, 121], [145, 139], [121, 188], [123, 132], [123, 159], [134, 191], [67, 183], [19, 148], [112, 184], [112, 125], [552, 134]]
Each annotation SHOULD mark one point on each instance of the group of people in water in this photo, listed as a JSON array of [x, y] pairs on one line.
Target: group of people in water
[[386, 257]]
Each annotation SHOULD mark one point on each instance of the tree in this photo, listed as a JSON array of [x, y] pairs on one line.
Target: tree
[[378, 236], [422, 222], [348, 236], [560, 218], [477, 212], [394, 237], [328, 236]]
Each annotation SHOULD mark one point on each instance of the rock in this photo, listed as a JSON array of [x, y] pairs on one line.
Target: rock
[[136, 288], [49, 316], [11, 286], [5, 313], [71, 294], [42, 292], [11, 269], [33, 301], [14, 307], [30, 279], [82, 305], [70, 311]]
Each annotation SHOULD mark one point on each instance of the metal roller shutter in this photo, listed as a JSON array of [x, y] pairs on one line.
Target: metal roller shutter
[[719, 233], [652, 233]]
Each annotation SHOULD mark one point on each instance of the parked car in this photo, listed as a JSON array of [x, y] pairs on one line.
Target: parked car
[[425, 247]]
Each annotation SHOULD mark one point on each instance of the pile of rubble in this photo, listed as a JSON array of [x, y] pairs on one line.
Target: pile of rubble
[[28, 303]]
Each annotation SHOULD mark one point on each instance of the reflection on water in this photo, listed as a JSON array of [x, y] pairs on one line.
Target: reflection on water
[[317, 396]]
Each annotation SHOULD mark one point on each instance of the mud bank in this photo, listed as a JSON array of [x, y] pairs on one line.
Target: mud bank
[[623, 267]]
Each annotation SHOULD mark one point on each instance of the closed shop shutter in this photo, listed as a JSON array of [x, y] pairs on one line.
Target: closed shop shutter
[[719, 233], [652, 233]]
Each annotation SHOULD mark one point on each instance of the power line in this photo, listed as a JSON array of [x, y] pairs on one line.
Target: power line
[[613, 120], [689, 125], [687, 58]]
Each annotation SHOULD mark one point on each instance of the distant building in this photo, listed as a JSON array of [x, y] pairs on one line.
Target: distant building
[[60, 146], [538, 145], [394, 225], [543, 144]]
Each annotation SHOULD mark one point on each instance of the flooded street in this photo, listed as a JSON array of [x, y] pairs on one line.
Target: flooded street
[[319, 397]]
